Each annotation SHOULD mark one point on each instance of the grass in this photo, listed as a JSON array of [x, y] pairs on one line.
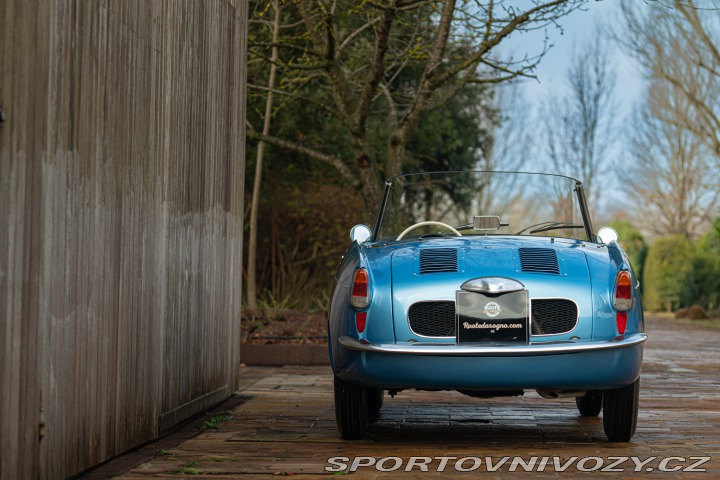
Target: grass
[[272, 308], [224, 459], [186, 469], [215, 421], [712, 323]]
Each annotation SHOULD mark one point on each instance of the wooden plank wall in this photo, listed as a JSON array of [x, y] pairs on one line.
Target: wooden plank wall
[[121, 177]]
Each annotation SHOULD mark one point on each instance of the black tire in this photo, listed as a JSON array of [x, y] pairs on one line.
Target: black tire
[[375, 397], [620, 412], [351, 409], [590, 404]]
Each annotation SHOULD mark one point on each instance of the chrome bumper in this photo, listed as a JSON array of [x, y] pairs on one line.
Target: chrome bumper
[[531, 349]]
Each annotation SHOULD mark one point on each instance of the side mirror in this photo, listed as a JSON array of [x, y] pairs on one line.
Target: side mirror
[[607, 235], [360, 233]]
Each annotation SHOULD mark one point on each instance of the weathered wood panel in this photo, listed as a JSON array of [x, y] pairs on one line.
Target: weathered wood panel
[[121, 175]]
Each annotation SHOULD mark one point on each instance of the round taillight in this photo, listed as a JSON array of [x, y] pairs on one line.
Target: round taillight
[[359, 296], [623, 291]]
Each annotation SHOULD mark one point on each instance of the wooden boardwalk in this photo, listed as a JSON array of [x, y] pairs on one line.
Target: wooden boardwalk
[[286, 425]]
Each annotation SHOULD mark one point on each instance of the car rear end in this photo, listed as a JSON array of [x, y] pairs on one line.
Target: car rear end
[[489, 305], [560, 333]]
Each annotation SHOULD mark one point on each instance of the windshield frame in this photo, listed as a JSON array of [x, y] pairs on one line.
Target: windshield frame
[[579, 191]]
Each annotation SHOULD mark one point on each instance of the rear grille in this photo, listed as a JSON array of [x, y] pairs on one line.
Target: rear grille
[[437, 319], [539, 260], [553, 316], [437, 260], [433, 319]]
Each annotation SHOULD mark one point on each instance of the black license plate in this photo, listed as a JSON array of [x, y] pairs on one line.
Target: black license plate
[[484, 318]]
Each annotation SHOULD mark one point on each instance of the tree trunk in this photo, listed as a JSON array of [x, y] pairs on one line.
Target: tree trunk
[[396, 152], [370, 193], [252, 241]]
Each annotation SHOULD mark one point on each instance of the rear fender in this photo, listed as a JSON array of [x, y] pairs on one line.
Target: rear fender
[[341, 321], [604, 264]]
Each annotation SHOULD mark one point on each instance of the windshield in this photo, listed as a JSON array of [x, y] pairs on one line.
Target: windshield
[[481, 203]]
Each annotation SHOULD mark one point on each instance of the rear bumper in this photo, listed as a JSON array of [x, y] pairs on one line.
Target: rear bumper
[[558, 365], [532, 349]]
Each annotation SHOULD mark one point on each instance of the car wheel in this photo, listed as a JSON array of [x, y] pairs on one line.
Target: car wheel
[[620, 412], [351, 409], [375, 398], [590, 404]]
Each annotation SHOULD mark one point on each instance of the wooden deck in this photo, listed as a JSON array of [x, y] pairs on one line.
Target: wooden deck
[[286, 424]]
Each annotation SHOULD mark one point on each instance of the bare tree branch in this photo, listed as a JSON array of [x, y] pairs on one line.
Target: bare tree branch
[[682, 48], [354, 34], [492, 41], [579, 124], [435, 58], [331, 160], [377, 71], [302, 98]]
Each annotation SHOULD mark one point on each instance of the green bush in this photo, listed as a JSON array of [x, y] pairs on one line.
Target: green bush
[[681, 273], [634, 245], [706, 269], [668, 273]]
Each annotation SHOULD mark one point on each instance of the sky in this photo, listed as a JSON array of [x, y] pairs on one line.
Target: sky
[[578, 30]]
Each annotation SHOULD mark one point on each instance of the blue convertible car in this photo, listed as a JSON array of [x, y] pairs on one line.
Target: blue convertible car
[[489, 283]]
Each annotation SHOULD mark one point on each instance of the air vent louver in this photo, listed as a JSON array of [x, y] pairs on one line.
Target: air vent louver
[[433, 319], [437, 260], [539, 260], [553, 315]]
